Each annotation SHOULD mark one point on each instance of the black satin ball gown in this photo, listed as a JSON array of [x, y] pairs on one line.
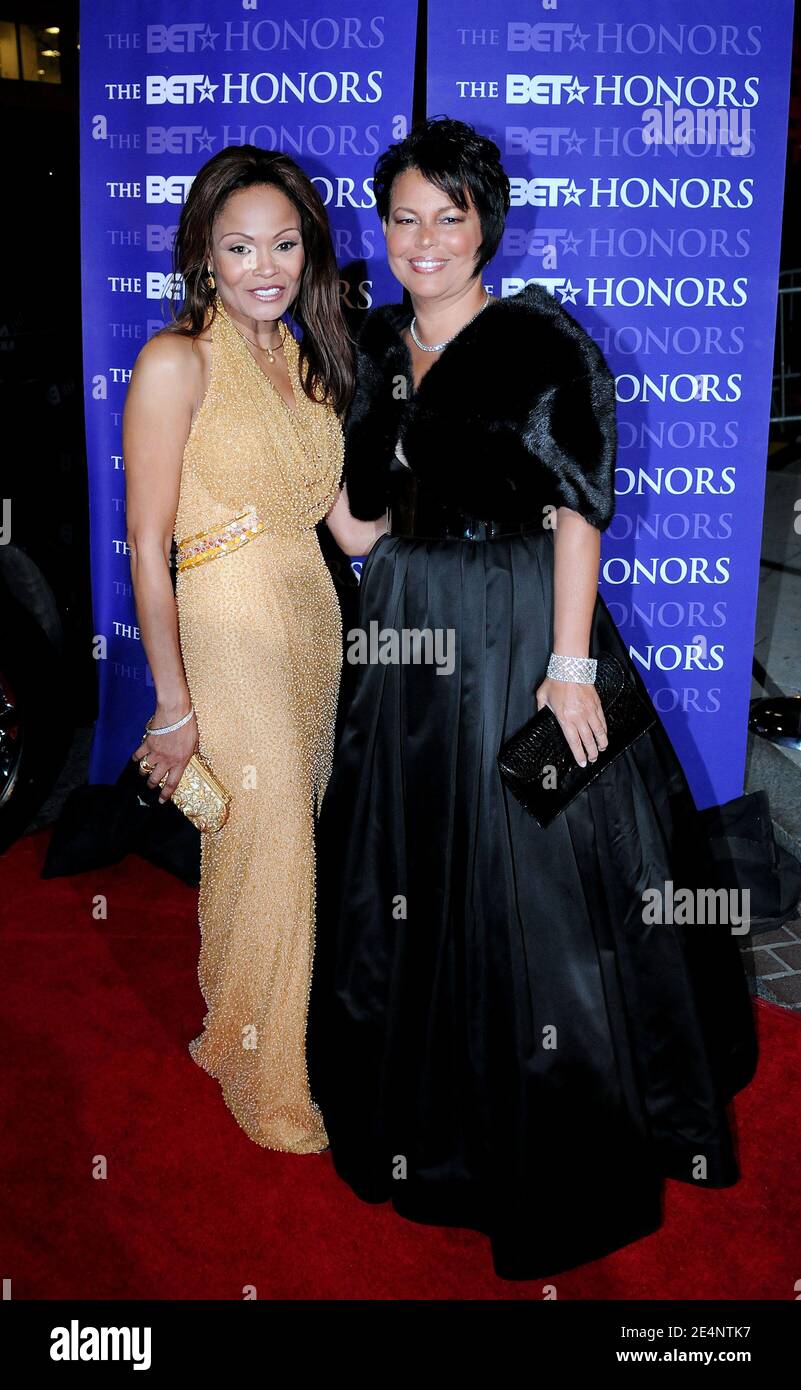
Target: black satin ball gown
[[496, 1038]]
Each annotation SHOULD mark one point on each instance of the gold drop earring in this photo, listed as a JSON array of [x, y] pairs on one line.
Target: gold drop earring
[[210, 281]]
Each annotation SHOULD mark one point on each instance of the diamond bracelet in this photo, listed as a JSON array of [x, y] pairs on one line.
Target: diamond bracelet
[[572, 668], [170, 728]]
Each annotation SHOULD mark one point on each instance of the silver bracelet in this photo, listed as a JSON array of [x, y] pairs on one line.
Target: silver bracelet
[[170, 728], [572, 668]]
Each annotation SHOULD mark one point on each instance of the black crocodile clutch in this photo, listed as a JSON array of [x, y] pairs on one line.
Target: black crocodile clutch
[[537, 764]]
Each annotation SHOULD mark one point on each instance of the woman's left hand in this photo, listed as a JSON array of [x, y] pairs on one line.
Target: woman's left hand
[[580, 714], [166, 755], [352, 536]]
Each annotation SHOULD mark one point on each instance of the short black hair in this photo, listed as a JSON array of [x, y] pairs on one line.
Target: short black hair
[[460, 162]]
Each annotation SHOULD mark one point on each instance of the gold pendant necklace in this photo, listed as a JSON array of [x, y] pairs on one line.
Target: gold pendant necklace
[[313, 441], [270, 352]]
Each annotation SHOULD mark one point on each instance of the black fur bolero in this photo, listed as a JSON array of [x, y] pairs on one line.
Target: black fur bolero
[[517, 413]]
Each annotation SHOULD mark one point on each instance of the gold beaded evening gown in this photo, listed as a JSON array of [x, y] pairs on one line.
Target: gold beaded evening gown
[[260, 633]]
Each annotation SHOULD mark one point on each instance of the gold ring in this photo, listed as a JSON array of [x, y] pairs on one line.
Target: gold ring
[[164, 778], [145, 766]]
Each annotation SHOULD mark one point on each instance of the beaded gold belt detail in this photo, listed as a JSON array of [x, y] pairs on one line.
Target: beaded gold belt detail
[[218, 540]]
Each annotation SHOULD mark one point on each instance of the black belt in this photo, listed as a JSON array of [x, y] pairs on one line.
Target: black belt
[[458, 526], [413, 511]]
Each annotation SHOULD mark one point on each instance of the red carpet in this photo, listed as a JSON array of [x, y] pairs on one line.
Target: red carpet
[[97, 1016]]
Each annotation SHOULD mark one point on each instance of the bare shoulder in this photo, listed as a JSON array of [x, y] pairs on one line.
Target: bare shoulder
[[171, 353], [175, 366]]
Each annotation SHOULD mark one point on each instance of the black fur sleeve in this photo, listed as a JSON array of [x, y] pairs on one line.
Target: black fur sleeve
[[573, 434], [373, 421]]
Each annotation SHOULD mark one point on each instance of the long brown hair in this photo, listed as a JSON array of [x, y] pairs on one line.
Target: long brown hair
[[326, 350]]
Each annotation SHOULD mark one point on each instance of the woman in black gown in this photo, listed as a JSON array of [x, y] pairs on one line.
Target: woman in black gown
[[498, 1038]]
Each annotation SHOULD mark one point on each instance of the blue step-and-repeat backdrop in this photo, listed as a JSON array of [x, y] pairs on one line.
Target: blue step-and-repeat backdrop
[[646, 149]]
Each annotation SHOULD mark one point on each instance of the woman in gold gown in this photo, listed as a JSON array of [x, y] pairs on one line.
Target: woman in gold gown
[[233, 448]]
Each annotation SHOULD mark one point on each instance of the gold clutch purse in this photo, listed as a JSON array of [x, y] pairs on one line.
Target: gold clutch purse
[[199, 794], [201, 797]]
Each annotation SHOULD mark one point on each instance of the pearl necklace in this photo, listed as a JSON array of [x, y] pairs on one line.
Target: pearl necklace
[[437, 347]]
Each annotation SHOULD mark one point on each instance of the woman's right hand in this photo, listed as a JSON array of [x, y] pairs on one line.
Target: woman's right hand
[[578, 708], [167, 753]]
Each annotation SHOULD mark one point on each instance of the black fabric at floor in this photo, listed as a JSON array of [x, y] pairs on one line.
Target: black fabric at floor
[[100, 824], [749, 860]]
